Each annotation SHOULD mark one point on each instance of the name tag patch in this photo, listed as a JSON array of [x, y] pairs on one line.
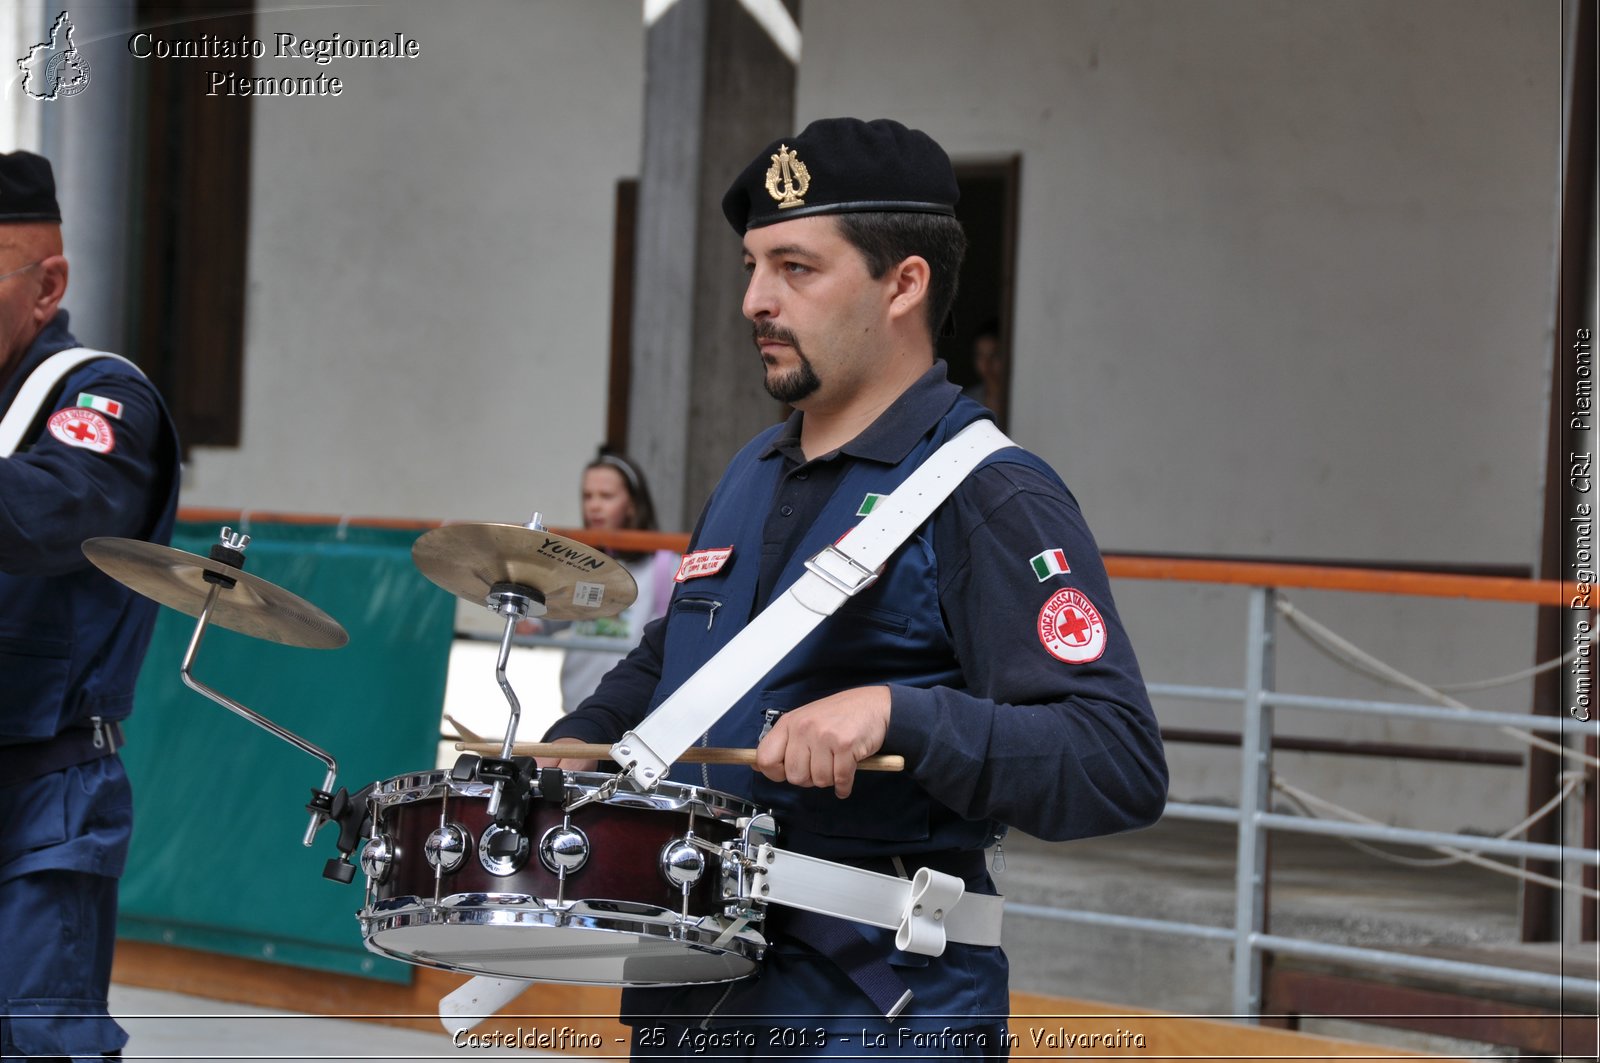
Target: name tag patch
[[77, 427], [703, 563]]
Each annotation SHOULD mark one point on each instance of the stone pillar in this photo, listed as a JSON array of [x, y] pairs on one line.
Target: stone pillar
[[717, 90], [89, 139]]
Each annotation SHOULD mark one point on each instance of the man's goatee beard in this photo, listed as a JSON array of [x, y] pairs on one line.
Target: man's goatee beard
[[795, 385]]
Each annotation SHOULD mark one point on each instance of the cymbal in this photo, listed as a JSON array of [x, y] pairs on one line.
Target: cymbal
[[252, 606], [577, 582]]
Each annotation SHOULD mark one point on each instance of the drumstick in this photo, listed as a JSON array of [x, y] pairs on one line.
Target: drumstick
[[693, 755], [466, 733]]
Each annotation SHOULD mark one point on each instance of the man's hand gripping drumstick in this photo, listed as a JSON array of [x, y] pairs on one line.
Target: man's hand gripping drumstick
[[823, 743]]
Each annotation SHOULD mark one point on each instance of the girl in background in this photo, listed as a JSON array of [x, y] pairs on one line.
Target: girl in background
[[615, 496]]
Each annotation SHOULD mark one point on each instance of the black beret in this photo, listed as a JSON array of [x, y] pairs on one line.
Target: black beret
[[27, 188], [840, 166]]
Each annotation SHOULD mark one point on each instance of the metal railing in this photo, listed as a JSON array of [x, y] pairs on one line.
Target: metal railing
[[1255, 821]]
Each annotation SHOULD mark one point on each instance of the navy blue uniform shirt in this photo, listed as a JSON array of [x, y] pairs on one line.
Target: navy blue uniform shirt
[[1038, 738], [101, 459]]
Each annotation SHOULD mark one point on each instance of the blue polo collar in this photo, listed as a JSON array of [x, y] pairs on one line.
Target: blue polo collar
[[890, 438]]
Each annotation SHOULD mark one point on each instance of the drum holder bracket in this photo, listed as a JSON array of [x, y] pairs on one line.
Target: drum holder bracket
[[230, 551], [520, 783], [353, 815]]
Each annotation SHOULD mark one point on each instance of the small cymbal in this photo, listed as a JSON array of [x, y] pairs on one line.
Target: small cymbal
[[252, 606], [577, 582]]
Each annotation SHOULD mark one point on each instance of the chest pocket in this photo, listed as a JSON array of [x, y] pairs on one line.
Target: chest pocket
[[698, 606], [696, 625], [885, 620]]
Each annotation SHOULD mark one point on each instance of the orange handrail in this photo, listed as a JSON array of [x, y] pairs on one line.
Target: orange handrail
[[1121, 566], [1332, 578]]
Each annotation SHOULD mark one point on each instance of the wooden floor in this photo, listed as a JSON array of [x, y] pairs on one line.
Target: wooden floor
[[1044, 1027]]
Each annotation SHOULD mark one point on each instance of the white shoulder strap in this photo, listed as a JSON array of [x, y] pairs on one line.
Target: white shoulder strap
[[831, 578], [37, 389]]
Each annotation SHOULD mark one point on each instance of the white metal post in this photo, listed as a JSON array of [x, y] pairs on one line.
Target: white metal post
[[1255, 794]]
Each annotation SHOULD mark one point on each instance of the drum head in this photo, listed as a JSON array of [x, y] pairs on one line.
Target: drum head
[[476, 942]]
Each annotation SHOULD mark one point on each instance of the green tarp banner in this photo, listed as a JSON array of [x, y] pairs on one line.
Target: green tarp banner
[[217, 861]]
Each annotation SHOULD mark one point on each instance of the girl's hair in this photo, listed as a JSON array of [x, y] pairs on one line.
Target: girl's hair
[[644, 510]]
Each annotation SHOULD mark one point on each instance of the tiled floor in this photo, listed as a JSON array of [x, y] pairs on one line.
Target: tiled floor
[[169, 1026]]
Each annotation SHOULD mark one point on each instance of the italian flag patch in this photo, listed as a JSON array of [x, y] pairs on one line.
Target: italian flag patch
[[109, 407], [868, 504], [1050, 563]]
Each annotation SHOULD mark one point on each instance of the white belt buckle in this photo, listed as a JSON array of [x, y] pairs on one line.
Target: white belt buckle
[[922, 926]]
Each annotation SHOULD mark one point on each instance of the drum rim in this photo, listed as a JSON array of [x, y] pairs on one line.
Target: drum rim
[[745, 945], [667, 796]]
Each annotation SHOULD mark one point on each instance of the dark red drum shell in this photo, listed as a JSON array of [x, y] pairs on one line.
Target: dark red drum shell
[[625, 843]]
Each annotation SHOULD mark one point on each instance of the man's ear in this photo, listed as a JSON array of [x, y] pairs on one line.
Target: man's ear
[[910, 288], [52, 288]]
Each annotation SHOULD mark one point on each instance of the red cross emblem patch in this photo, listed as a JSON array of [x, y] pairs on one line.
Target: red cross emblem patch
[[1071, 628], [78, 427]]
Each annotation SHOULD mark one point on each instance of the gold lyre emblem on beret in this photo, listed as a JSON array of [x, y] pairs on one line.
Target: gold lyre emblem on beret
[[787, 167]]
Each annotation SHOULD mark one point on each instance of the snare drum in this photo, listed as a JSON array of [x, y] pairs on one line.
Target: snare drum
[[625, 889]]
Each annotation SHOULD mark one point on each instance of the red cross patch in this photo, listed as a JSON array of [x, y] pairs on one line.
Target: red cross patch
[[78, 427], [1071, 628]]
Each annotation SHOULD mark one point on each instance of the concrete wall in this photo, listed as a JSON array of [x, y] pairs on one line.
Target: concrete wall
[[430, 263], [1284, 287]]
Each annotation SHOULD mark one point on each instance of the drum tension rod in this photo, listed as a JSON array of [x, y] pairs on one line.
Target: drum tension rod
[[707, 846]]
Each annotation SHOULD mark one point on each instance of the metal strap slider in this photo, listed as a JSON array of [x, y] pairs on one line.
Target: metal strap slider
[[841, 570]]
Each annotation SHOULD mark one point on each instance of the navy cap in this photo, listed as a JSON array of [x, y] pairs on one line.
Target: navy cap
[[842, 166], [27, 188]]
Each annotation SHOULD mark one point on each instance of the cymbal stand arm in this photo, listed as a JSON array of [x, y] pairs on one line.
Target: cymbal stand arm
[[516, 603], [317, 818], [512, 619]]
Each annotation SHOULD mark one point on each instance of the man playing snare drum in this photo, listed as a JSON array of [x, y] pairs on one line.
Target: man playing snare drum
[[988, 653]]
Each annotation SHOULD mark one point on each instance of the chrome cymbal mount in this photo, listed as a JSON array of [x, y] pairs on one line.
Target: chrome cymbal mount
[[325, 804]]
